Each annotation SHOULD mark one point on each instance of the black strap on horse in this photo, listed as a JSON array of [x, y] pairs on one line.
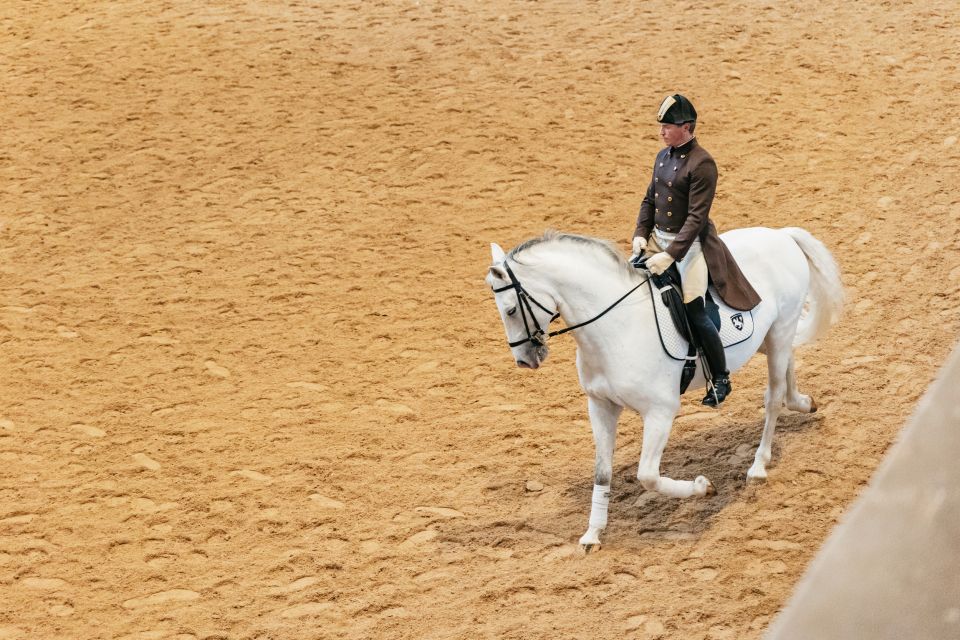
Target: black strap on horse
[[668, 283], [523, 302], [524, 299]]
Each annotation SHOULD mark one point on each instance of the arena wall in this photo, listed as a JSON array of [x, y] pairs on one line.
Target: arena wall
[[891, 568]]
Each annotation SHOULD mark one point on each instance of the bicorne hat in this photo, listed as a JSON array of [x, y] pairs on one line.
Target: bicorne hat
[[676, 109]]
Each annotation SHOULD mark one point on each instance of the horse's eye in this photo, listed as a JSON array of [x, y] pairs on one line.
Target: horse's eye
[[511, 311]]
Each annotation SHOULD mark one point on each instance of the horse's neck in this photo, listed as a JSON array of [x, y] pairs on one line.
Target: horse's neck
[[586, 289]]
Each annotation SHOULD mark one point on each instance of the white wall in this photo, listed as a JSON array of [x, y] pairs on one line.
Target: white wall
[[891, 568]]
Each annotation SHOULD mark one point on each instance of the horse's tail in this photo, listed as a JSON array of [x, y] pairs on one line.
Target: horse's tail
[[825, 297]]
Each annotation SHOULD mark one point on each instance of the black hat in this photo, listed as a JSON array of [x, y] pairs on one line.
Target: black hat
[[676, 109]]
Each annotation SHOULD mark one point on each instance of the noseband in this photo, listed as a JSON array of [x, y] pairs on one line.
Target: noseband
[[537, 337]]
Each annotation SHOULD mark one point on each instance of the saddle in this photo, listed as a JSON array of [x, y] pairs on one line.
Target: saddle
[[674, 329], [671, 294]]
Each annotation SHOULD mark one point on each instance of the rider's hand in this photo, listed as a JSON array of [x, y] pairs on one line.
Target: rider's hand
[[659, 262], [639, 245]]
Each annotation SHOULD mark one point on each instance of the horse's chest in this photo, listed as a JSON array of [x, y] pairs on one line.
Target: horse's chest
[[598, 387], [597, 383]]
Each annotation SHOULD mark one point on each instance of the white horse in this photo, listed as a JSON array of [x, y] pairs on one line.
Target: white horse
[[620, 360]]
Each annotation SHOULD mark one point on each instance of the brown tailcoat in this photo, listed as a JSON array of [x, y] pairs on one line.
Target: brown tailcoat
[[678, 201]]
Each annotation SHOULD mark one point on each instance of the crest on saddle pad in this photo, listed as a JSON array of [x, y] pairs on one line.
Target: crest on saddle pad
[[735, 326]]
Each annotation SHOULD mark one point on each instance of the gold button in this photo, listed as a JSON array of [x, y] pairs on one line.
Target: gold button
[[658, 210], [656, 179], [661, 164], [656, 195], [670, 184], [683, 155], [669, 198], [674, 168], [669, 213]]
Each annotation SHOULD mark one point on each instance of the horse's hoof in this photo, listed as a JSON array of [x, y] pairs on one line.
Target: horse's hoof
[[708, 488], [756, 477], [813, 405], [590, 540]]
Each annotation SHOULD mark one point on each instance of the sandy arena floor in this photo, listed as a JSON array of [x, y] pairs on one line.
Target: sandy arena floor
[[252, 383]]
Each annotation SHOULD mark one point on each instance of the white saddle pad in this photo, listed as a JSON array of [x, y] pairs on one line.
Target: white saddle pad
[[735, 326]]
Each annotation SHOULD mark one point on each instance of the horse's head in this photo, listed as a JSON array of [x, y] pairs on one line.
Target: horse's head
[[524, 310]]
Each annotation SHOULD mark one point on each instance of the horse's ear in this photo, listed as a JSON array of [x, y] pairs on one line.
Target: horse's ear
[[498, 273], [498, 254]]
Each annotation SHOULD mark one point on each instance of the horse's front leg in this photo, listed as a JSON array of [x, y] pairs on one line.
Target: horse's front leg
[[657, 423], [603, 420]]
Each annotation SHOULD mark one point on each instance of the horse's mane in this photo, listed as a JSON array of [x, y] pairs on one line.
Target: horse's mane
[[596, 245]]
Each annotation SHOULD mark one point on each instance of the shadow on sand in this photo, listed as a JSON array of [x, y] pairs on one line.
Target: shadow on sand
[[637, 518], [722, 453]]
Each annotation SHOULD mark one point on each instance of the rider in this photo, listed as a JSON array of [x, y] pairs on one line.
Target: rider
[[674, 225]]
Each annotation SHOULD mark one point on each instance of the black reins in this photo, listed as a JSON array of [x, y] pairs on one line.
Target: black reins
[[523, 302]]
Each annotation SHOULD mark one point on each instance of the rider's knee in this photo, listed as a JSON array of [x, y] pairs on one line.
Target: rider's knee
[[696, 305], [696, 311]]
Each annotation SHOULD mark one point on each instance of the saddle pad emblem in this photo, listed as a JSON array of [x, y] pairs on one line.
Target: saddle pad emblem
[[735, 326]]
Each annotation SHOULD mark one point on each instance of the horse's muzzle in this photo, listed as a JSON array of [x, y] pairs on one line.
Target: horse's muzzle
[[533, 358]]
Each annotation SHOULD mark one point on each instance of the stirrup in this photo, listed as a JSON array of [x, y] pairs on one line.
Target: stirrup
[[719, 392]]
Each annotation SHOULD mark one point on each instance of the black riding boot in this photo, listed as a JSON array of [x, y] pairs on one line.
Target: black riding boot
[[709, 339]]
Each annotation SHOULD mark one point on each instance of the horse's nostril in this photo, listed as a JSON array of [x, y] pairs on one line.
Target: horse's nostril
[[523, 363]]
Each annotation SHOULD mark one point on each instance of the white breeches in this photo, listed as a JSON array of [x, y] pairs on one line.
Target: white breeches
[[693, 267]]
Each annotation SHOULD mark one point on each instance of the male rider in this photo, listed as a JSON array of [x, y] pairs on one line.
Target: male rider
[[674, 226]]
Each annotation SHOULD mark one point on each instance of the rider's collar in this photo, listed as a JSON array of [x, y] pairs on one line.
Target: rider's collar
[[684, 148]]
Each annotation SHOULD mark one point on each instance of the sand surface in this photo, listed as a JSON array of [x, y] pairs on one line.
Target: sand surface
[[252, 383]]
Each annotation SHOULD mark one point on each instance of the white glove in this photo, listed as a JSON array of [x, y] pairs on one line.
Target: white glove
[[659, 262], [639, 245]]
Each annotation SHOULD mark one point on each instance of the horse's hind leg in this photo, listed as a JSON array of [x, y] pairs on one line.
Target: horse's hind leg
[[656, 431], [797, 401], [603, 420], [779, 361], [781, 389]]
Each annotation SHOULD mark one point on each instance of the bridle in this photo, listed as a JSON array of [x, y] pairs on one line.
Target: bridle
[[523, 302], [538, 337]]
